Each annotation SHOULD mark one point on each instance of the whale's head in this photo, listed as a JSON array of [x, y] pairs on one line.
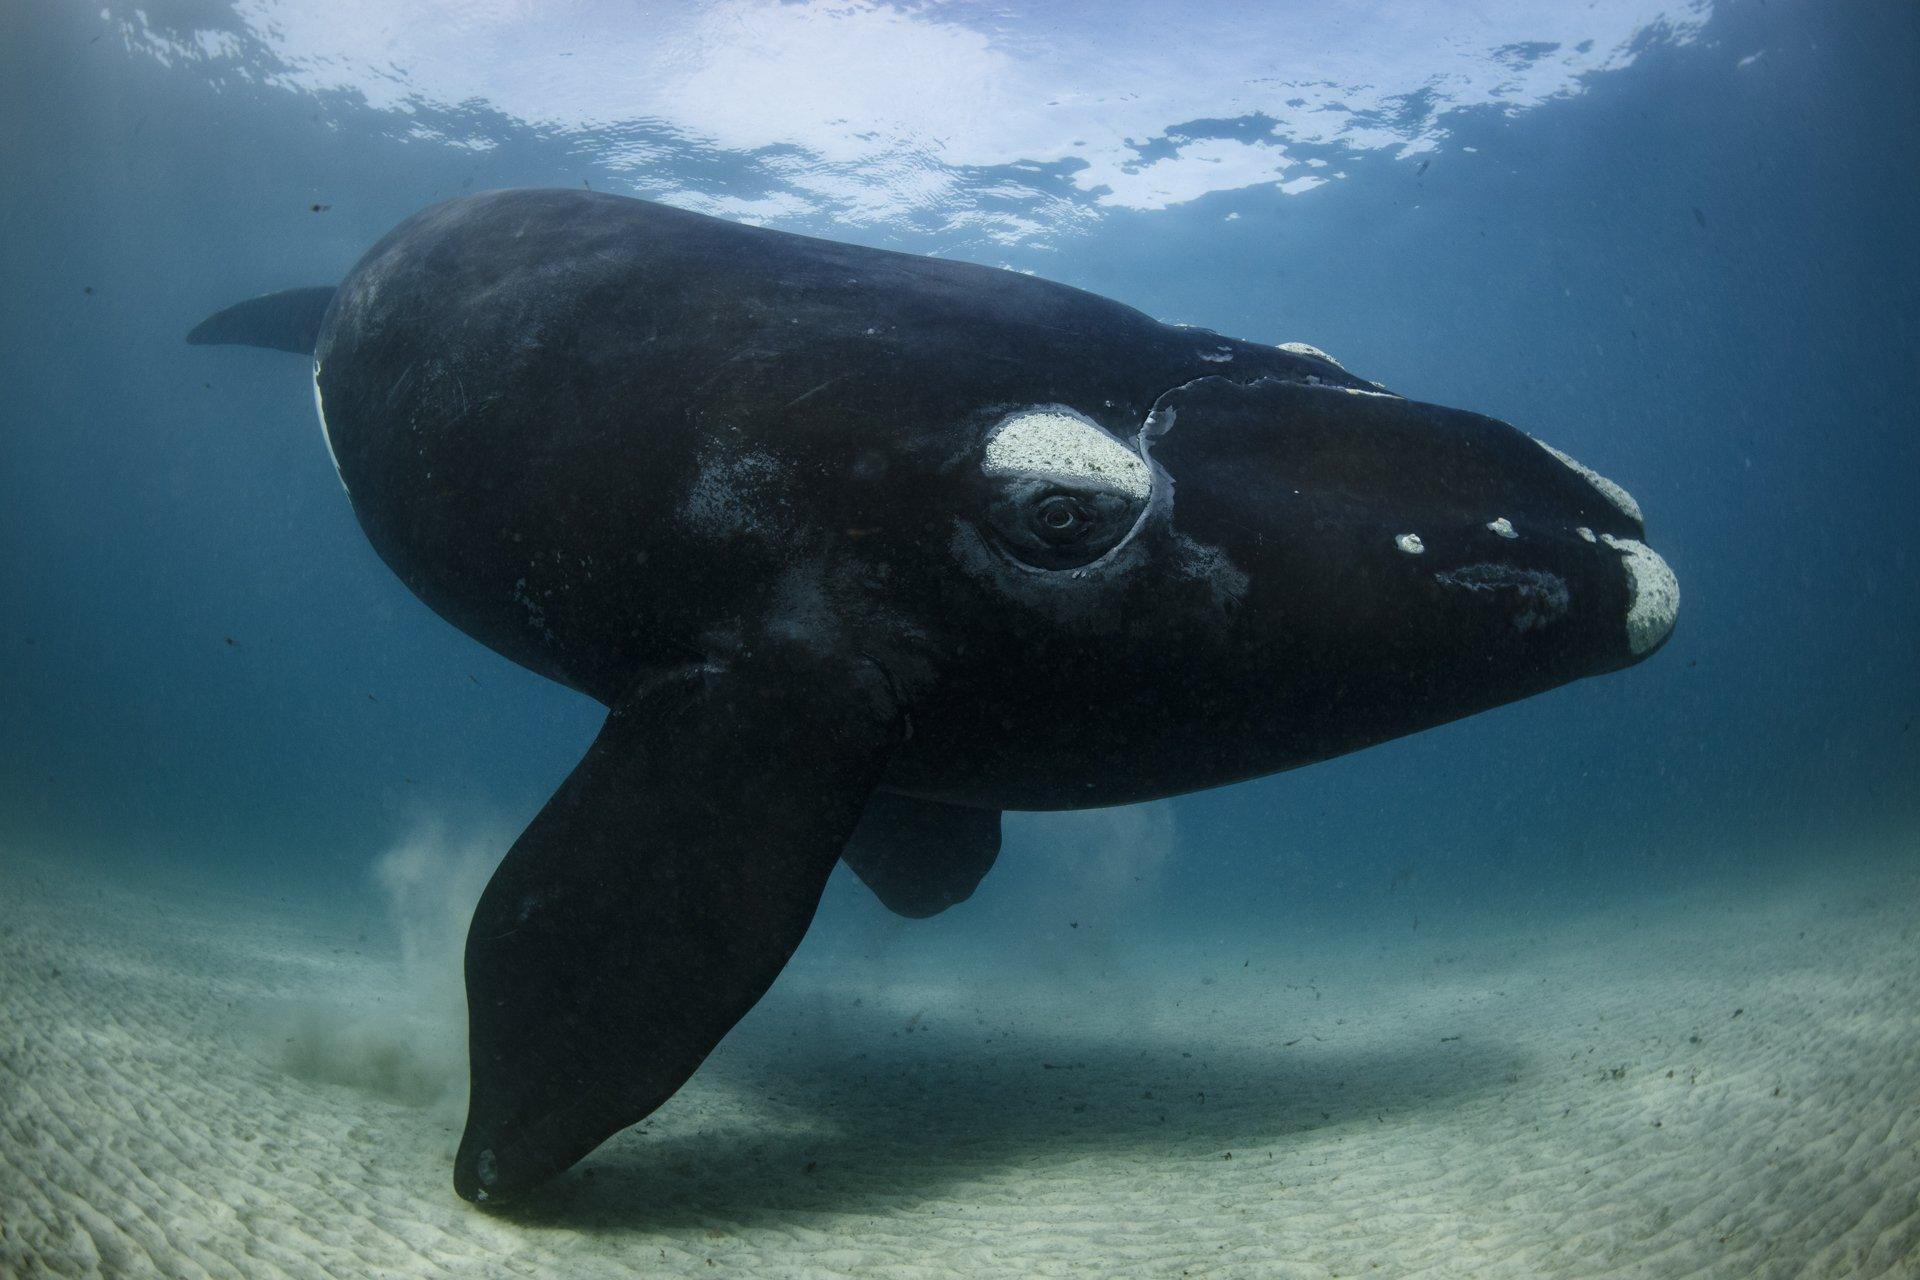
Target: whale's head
[[1276, 571]]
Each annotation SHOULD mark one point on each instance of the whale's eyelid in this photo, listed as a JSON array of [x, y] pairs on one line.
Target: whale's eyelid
[[1056, 443]]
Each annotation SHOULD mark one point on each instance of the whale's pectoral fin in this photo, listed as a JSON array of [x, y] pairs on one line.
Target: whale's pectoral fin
[[919, 856], [286, 321], [655, 899]]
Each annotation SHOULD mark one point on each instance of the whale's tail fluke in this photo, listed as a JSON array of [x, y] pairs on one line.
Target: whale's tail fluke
[[285, 321]]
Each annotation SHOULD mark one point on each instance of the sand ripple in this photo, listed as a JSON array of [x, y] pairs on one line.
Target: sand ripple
[[1696, 1090]]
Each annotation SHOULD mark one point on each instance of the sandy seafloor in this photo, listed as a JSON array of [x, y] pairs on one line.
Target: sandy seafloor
[[206, 1082]]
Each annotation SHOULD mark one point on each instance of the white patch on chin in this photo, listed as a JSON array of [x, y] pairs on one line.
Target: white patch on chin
[[1656, 594], [1057, 443]]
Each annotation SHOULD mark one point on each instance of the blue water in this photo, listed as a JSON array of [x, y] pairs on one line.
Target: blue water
[[1692, 273], [1685, 256]]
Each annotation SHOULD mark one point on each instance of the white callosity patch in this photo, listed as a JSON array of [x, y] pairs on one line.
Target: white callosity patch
[[1503, 527], [1608, 489], [1410, 543], [1308, 349], [1585, 533], [1656, 594], [320, 411], [1056, 443]]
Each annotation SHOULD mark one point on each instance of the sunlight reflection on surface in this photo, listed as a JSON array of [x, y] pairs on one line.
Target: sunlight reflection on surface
[[1020, 121]]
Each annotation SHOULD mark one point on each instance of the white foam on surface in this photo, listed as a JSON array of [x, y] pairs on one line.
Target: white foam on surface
[[889, 111], [1059, 444]]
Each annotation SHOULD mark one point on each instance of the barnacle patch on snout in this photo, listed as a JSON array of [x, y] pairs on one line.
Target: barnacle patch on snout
[[1622, 500], [1655, 602]]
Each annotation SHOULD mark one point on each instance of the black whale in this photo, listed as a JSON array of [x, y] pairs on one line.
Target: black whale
[[861, 548]]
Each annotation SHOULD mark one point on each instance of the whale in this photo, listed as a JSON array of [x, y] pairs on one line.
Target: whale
[[861, 549]]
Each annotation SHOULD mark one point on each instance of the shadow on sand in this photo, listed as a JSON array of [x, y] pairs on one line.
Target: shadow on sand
[[785, 1127]]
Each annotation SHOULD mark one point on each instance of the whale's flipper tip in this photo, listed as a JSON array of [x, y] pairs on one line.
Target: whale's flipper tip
[[285, 321]]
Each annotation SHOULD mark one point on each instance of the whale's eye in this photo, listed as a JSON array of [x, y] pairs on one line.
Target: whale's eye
[[1050, 528], [1060, 518], [1061, 492]]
